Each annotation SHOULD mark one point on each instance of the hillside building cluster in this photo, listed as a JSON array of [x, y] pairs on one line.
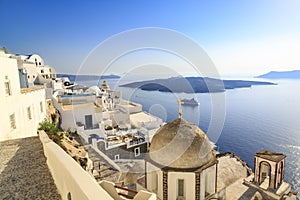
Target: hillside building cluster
[[178, 159]]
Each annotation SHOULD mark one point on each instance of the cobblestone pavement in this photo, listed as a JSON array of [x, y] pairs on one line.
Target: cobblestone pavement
[[24, 173]]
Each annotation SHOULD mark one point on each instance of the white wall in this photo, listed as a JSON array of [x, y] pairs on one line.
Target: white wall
[[67, 120], [71, 117], [36, 59], [32, 72], [207, 181], [146, 120], [151, 185], [211, 179], [33, 65], [119, 118], [152, 171], [100, 132], [189, 184], [272, 176], [129, 106], [68, 176], [160, 184], [17, 104], [46, 71]]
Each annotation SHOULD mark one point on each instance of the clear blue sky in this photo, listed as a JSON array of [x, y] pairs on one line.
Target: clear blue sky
[[242, 37]]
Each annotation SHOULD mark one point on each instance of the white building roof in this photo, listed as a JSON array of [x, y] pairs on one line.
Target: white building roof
[[141, 117]]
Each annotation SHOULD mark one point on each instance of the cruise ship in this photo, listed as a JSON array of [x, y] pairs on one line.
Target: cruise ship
[[190, 102]]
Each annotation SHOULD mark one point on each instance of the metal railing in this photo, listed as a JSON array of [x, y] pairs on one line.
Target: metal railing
[[131, 193]]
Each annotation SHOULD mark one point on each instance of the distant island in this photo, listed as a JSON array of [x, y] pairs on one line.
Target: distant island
[[86, 77], [295, 74], [192, 84]]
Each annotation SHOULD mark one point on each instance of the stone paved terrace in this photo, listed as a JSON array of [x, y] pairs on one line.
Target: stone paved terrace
[[24, 173]]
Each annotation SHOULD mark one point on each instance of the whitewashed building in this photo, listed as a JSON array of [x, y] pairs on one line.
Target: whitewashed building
[[22, 107], [37, 71], [181, 163]]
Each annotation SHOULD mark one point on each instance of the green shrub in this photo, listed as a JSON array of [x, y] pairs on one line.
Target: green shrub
[[133, 126], [49, 128], [52, 131]]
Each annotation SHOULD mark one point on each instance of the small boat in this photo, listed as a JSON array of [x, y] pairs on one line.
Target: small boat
[[190, 102]]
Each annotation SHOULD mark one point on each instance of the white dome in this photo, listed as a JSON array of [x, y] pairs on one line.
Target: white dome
[[93, 90]]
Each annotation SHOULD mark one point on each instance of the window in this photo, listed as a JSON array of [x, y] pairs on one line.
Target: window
[[7, 87], [12, 120], [28, 76], [180, 187], [29, 113], [41, 106], [117, 157], [42, 71], [137, 151]]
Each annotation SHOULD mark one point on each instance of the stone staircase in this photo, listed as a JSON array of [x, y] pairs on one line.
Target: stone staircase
[[102, 169]]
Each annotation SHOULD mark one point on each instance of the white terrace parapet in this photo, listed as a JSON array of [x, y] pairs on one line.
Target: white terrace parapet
[[141, 195], [89, 132], [76, 99], [31, 89], [146, 120], [71, 180], [128, 106]]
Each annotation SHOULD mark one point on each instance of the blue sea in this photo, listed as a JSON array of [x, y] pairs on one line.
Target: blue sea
[[256, 118]]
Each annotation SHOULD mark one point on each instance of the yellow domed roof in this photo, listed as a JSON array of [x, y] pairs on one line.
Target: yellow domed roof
[[182, 145]]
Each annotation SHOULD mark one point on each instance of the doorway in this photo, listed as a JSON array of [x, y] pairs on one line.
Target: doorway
[[88, 121]]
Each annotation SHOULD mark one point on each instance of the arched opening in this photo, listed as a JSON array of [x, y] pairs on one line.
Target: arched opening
[[69, 197], [93, 136], [264, 173], [280, 172]]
